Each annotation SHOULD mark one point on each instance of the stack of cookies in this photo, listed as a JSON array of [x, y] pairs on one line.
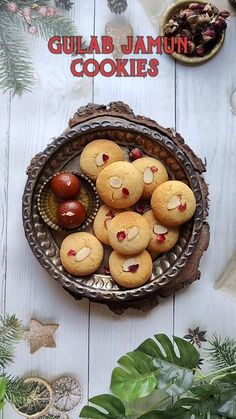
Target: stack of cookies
[[135, 239]]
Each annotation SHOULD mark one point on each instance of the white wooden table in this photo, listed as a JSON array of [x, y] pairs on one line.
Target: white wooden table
[[194, 100]]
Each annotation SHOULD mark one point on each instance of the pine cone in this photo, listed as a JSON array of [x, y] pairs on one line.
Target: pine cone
[[117, 6], [64, 4]]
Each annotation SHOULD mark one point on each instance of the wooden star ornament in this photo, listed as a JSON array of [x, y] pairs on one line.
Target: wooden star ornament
[[40, 335]]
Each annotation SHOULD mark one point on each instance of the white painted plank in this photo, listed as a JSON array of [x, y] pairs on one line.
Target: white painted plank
[[112, 335], [30, 292], [209, 127]]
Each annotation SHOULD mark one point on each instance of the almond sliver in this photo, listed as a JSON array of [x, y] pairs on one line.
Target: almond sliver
[[127, 263], [99, 160], [159, 229], [82, 254], [148, 176], [132, 233], [173, 203], [115, 182]]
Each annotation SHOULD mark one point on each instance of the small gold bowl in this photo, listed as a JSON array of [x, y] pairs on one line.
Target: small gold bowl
[[182, 4], [48, 203]]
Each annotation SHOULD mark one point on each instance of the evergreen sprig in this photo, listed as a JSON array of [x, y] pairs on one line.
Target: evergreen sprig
[[55, 26], [222, 353], [10, 334], [16, 71], [17, 390]]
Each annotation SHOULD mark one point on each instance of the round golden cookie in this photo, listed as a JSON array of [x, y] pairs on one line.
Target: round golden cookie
[[97, 155], [132, 271], [129, 233], [120, 185], [101, 222], [154, 174], [173, 203], [162, 238], [81, 253]]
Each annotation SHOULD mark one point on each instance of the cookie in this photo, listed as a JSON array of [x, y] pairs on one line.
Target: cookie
[[120, 185], [132, 271], [101, 222], [153, 172], [81, 254], [97, 155], [162, 238], [173, 203], [129, 233]]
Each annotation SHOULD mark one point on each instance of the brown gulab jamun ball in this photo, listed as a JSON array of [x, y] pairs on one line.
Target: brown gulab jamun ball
[[71, 214], [65, 186]]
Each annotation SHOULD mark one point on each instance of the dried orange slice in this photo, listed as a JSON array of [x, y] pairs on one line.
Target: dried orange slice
[[39, 399], [67, 393]]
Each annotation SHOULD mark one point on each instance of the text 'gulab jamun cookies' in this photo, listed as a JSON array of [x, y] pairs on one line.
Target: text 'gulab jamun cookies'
[[101, 222], [129, 233], [81, 253], [154, 174], [99, 154], [173, 203], [120, 185], [130, 272], [163, 238]]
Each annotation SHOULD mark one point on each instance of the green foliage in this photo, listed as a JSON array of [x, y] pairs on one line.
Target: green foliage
[[162, 369], [222, 353], [10, 334], [108, 407], [135, 377], [17, 390], [16, 71]]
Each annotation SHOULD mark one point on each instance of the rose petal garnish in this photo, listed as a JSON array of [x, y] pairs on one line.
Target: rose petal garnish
[[133, 268], [105, 157], [106, 269], [154, 169], [121, 236], [71, 252], [110, 214], [125, 191], [182, 207], [160, 237]]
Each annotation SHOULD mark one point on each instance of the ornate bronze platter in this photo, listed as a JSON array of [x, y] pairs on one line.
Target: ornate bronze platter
[[117, 122]]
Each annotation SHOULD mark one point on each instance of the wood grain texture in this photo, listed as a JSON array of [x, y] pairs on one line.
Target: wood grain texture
[[112, 335], [206, 122]]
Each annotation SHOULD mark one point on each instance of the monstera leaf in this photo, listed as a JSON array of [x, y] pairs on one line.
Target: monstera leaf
[[136, 376], [113, 407], [172, 368], [228, 404]]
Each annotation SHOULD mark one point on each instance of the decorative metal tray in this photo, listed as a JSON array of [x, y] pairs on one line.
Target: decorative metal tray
[[118, 123]]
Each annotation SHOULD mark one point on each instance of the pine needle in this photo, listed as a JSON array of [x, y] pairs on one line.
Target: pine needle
[[16, 71], [17, 390], [222, 353], [49, 26], [10, 333]]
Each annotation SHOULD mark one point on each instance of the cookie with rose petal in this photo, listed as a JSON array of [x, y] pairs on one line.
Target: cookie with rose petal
[[99, 154], [101, 222], [81, 253], [120, 185], [154, 174], [130, 271], [173, 203], [163, 238], [129, 233]]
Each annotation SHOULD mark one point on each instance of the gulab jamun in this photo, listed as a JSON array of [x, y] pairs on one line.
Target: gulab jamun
[[65, 186], [71, 214]]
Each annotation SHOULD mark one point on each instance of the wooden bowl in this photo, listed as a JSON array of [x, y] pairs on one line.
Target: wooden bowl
[[181, 57]]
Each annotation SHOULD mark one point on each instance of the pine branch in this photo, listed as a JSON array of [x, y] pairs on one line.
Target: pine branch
[[10, 333], [16, 71], [222, 353], [49, 26], [17, 390]]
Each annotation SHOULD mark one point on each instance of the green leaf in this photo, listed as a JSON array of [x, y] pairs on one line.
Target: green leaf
[[172, 368], [2, 388], [228, 404], [135, 378], [109, 407], [16, 71]]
